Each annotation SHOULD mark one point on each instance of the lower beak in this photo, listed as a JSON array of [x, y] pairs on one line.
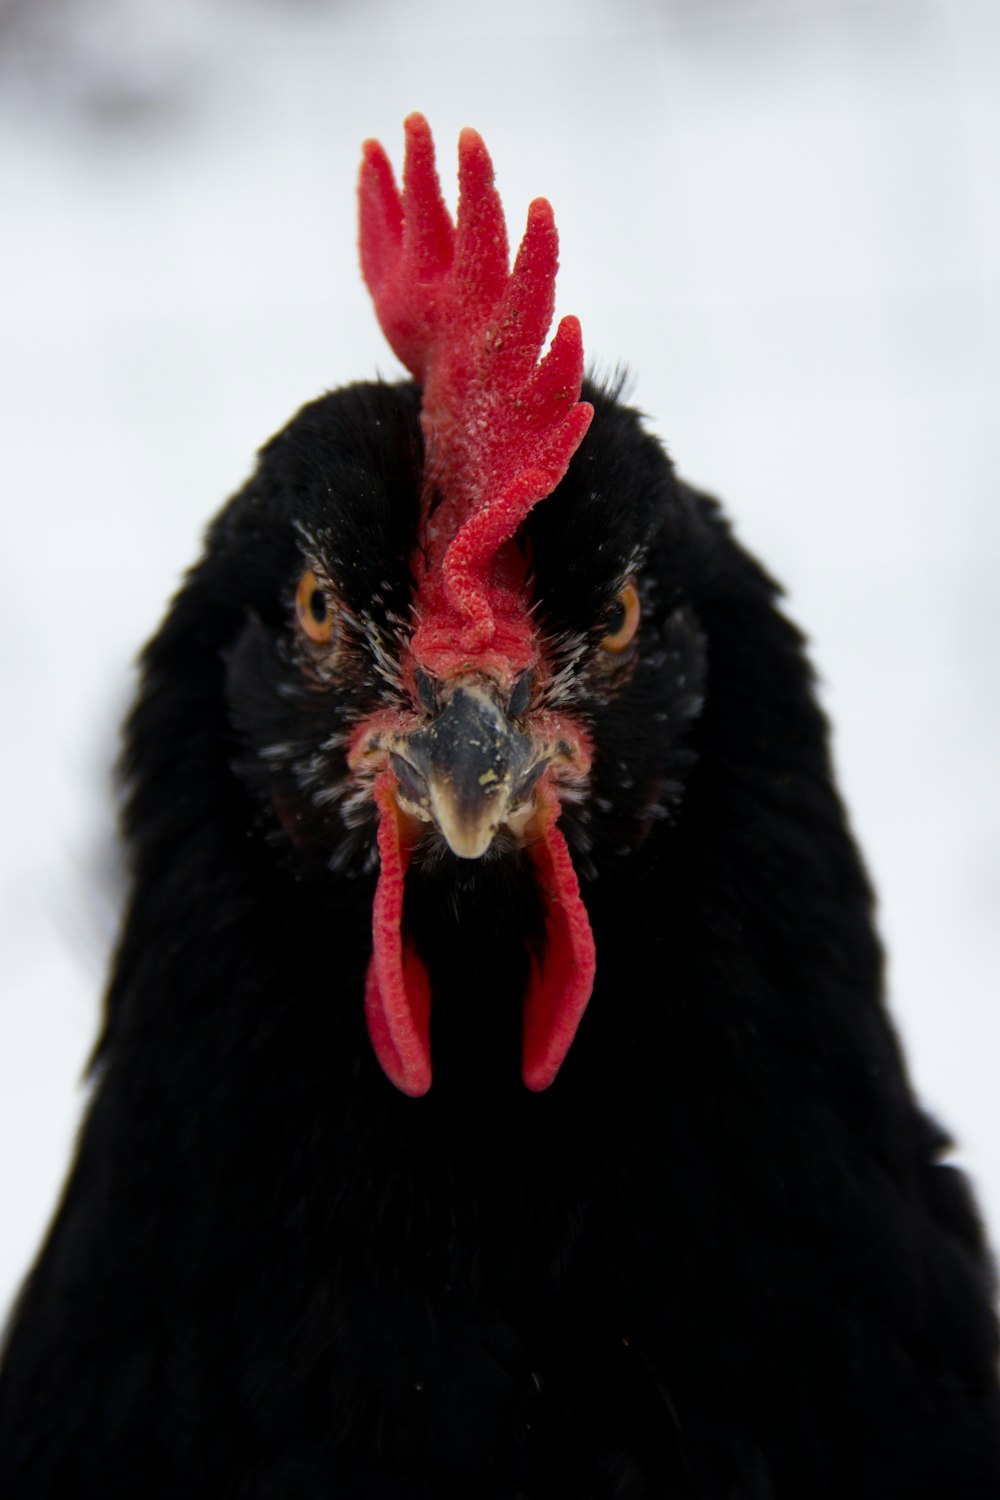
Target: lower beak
[[470, 770]]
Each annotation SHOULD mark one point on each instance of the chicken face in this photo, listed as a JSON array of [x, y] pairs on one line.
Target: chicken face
[[466, 786]]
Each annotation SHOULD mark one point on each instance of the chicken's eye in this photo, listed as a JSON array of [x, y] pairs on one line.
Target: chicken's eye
[[312, 609], [623, 622]]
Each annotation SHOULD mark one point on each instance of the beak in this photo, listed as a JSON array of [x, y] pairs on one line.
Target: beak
[[470, 769]]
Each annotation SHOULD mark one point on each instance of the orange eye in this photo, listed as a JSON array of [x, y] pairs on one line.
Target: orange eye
[[312, 609], [623, 621]]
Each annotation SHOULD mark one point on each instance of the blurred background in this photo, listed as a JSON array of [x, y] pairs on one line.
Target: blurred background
[[783, 217]]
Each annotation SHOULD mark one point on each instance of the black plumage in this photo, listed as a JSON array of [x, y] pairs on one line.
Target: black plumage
[[721, 1258]]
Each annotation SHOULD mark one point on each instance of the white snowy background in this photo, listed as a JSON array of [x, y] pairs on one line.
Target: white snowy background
[[782, 216]]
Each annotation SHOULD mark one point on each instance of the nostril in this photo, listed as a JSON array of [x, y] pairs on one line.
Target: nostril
[[521, 695]]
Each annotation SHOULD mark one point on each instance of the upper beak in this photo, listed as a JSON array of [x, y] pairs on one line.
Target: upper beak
[[470, 769]]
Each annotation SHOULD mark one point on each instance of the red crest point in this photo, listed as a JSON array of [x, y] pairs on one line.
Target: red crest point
[[500, 421]]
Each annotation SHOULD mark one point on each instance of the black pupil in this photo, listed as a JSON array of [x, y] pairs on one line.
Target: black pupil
[[317, 606], [616, 619]]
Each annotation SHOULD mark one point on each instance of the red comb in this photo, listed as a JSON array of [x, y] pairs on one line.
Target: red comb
[[500, 425]]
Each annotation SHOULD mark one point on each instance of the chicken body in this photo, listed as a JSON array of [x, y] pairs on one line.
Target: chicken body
[[718, 1259]]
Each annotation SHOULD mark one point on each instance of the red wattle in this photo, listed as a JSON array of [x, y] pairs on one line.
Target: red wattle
[[397, 989], [560, 987]]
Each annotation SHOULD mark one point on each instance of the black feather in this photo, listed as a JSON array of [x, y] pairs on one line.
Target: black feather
[[720, 1258]]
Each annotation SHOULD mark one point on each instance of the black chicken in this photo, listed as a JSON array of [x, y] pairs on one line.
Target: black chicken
[[720, 1257]]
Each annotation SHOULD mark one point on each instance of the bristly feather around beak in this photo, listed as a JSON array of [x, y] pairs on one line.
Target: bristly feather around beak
[[470, 768]]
